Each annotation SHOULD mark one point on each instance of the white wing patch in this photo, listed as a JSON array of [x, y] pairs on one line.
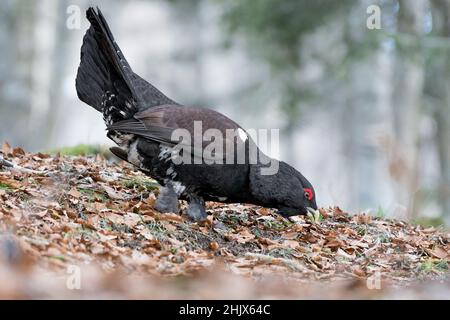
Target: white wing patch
[[242, 134], [171, 173], [165, 153], [122, 140], [133, 155], [178, 187]]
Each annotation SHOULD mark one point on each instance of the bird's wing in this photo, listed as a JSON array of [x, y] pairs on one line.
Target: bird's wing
[[159, 124], [152, 132]]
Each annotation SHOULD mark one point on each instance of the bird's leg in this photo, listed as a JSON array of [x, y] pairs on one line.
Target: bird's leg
[[196, 209], [167, 200]]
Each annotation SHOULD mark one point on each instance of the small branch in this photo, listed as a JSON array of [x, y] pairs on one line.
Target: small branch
[[4, 163], [9, 165], [294, 265]]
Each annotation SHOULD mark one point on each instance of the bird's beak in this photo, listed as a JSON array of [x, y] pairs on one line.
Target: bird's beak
[[313, 215]]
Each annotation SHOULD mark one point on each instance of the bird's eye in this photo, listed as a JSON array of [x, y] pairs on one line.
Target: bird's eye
[[308, 194]]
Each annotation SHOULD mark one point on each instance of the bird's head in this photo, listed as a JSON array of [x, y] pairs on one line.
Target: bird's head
[[287, 190], [304, 197]]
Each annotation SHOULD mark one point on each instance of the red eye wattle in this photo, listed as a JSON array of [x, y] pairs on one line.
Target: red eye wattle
[[308, 194]]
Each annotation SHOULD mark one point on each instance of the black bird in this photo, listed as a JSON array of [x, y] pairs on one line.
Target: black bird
[[141, 121]]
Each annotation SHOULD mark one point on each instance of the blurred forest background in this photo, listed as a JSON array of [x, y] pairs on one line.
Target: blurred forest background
[[364, 113]]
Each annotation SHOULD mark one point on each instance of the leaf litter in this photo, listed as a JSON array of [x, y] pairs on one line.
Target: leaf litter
[[98, 215]]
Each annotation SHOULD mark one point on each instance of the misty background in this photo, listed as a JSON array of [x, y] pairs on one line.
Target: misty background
[[364, 113]]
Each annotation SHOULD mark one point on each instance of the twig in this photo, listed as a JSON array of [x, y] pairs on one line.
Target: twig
[[9, 165], [294, 265], [4, 163]]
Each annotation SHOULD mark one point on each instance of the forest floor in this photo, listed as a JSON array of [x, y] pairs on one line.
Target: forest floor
[[85, 227]]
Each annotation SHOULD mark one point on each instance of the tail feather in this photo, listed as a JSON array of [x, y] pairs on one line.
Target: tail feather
[[105, 73], [102, 65]]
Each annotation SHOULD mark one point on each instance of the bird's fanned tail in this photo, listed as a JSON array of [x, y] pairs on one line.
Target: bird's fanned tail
[[106, 80]]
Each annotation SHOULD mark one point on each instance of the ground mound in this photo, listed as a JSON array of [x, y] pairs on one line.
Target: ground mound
[[86, 227]]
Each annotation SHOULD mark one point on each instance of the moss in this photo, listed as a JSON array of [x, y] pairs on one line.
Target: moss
[[381, 213], [429, 222], [432, 265], [282, 253], [80, 150], [158, 230], [59, 258], [93, 195], [141, 182], [5, 187]]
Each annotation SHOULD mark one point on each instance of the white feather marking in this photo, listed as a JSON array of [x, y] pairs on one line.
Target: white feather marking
[[171, 173], [242, 134], [178, 187], [122, 140], [133, 155], [164, 153]]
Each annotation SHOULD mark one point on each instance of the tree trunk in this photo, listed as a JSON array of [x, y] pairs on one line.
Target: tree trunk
[[16, 60], [407, 101], [441, 25]]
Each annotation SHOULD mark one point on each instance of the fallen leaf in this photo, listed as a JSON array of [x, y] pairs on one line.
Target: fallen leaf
[[438, 252], [214, 246], [75, 193], [291, 244], [6, 148]]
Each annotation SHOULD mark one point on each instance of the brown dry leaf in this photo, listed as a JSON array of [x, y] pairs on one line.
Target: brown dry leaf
[[169, 226], [362, 219], [131, 220], [311, 239], [324, 213], [439, 252], [98, 249], [13, 184], [6, 148], [96, 207], [290, 235], [113, 194], [268, 242], [291, 244], [263, 212], [359, 272], [170, 217], [17, 152], [40, 214], [334, 244], [244, 236], [75, 193], [147, 234], [86, 224], [214, 246]]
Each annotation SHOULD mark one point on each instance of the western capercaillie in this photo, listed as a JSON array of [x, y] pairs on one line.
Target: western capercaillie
[[160, 138]]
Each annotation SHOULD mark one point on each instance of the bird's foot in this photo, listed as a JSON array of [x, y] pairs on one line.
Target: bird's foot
[[196, 209], [167, 201]]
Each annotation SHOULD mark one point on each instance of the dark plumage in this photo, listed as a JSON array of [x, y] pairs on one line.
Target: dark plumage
[[141, 120]]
